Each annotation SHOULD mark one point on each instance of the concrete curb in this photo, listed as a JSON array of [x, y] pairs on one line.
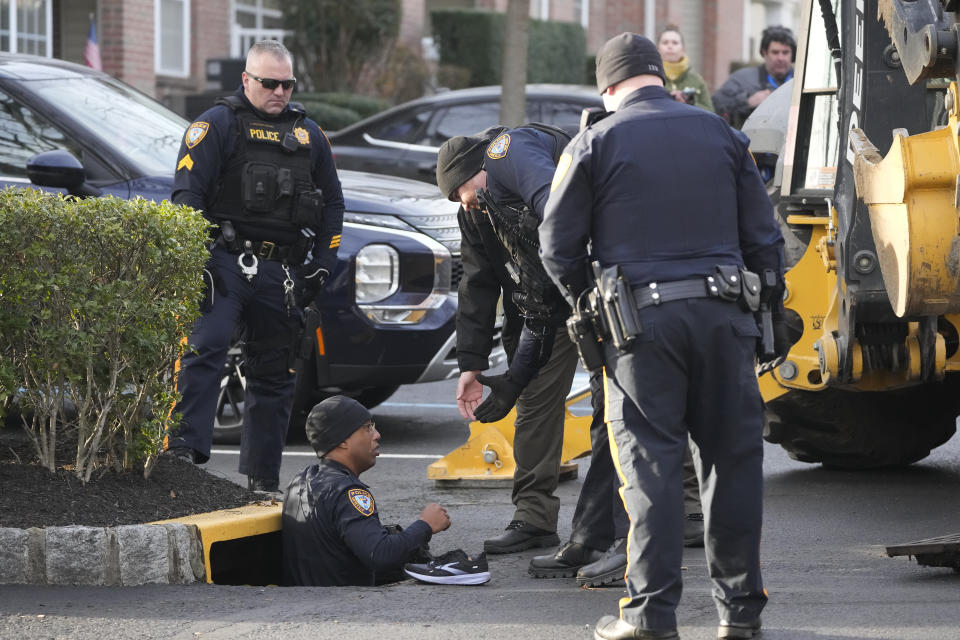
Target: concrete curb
[[103, 556]]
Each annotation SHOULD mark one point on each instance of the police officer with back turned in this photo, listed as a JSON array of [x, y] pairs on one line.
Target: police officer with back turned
[[687, 247], [263, 173]]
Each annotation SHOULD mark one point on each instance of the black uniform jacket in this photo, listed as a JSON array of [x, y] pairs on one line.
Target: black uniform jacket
[[519, 165], [199, 163], [663, 189], [332, 534]]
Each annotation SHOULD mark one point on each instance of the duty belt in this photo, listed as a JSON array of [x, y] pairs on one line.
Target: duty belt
[[264, 249], [656, 293]]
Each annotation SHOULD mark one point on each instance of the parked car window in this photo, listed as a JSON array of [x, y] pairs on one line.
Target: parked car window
[[461, 120], [565, 115], [23, 134], [146, 133], [404, 129]]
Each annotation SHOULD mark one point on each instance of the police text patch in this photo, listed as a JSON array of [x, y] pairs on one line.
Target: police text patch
[[498, 148], [263, 133], [195, 134], [361, 500]]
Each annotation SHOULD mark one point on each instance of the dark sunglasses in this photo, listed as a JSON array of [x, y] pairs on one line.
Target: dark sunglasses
[[272, 83]]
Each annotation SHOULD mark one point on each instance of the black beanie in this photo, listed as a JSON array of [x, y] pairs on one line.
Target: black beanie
[[334, 420], [460, 158], [625, 56]]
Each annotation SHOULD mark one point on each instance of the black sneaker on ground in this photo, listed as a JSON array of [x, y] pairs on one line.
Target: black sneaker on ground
[[453, 567], [265, 488], [693, 530], [519, 536]]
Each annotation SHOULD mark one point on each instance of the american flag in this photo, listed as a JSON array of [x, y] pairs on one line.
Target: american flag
[[91, 55]]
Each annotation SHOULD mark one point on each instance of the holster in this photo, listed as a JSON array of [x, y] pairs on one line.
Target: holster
[[617, 305]]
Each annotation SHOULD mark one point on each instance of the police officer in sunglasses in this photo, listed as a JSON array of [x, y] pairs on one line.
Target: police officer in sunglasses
[[263, 173]]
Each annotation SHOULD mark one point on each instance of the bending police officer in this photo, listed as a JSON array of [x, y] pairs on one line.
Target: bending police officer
[[501, 178], [263, 172], [673, 207]]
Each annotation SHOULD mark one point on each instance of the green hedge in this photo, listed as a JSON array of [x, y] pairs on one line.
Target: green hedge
[[96, 296], [333, 111], [473, 40]]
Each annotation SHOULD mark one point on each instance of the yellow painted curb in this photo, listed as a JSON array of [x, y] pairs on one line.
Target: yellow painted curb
[[231, 524]]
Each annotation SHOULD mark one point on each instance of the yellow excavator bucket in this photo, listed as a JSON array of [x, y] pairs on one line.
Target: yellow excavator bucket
[[487, 455]]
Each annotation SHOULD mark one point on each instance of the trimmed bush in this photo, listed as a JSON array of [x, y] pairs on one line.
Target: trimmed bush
[[330, 117], [473, 40], [365, 106], [96, 297]]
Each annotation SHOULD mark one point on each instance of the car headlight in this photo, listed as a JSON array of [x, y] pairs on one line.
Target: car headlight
[[377, 272]]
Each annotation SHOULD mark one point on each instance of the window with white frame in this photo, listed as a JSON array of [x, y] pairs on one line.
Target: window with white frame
[[540, 9], [26, 26], [172, 37], [256, 20], [581, 12]]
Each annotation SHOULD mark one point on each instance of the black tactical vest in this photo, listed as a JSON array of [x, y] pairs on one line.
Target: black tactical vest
[[267, 179], [516, 227]]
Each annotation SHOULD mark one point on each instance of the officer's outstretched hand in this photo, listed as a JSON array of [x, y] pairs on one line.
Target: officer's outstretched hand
[[503, 395], [469, 394], [312, 279], [435, 516]]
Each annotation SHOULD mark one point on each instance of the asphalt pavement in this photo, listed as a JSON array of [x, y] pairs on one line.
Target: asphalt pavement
[[824, 565]]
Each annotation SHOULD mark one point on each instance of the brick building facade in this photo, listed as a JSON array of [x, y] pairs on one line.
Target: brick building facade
[[162, 47]]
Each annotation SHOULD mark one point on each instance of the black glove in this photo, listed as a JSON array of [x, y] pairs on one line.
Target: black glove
[[213, 286], [784, 335], [312, 279], [503, 395]]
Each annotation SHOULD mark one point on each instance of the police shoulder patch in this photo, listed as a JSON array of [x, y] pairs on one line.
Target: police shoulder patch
[[195, 133], [562, 167], [498, 148], [362, 501]]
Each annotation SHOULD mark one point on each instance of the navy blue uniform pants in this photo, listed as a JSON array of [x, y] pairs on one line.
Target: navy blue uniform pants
[[691, 371], [270, 331], [599, 517]]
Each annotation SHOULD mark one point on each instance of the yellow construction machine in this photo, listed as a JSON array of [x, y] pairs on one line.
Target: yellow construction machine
[[866, 183]]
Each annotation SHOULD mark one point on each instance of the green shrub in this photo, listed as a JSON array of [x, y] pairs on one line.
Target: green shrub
[[365, 106], [96, 297], [473, 40], [329, 117]]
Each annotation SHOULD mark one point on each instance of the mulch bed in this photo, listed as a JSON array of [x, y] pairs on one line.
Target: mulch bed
[[32, 496]]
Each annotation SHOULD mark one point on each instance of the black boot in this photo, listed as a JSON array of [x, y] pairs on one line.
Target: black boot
[[519, 536], [265, 488], [565, 562], [693, 530], [608, 569], [613, 628]]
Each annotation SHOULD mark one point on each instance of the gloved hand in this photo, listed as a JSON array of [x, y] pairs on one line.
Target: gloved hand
[[784, 336], [503, 395], [312, 278]]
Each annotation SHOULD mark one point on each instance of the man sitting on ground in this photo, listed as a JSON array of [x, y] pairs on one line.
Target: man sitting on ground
[[332, 535]]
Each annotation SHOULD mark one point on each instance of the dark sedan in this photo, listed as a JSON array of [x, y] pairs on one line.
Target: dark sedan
[[388, 309], [403, 141]]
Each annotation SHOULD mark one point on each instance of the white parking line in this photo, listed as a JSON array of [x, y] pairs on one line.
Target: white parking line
[[422, 405], [310, 454]]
